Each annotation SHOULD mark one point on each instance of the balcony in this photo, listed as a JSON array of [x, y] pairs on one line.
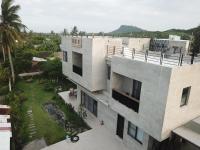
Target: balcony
[[77, 70], [126, 100]]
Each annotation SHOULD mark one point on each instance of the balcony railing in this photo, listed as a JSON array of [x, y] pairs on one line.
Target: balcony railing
[[126, 100], [77, 70], [154, 57]]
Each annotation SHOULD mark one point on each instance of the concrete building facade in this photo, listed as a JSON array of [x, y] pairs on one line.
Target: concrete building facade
[[173, 45], [141, 102]]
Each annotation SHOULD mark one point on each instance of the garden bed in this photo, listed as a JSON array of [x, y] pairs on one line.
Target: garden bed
[[44, 121]]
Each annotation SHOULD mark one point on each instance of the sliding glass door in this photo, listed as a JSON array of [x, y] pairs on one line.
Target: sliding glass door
[[89, 103]]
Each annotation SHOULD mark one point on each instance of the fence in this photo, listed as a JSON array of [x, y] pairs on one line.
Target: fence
[[157, 57]]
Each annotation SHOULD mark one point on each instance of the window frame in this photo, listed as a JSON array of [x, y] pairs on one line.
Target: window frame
[[136, 132], [65, 56], [187, 97], [136, 89], [108, 72]]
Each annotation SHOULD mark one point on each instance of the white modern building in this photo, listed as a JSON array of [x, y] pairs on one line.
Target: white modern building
[[172, 45], [5, 127], [138, 44], [144, 101]]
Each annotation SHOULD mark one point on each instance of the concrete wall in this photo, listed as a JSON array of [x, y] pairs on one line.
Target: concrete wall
[[139, 44], [109, 117], [131, 143], [155, 82], [175, 115], [86, 51], [122, 83], [94, 53]]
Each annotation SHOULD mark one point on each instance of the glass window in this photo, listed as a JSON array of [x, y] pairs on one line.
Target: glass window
[[139, 135], [185, 96], [131, 129], [135, 132], [65, 56], [136, 89]]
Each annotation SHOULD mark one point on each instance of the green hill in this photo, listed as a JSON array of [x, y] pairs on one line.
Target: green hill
[[127, 29]]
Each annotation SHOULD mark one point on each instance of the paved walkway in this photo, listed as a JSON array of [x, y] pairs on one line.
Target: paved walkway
[[35, 145], [31, 127], [96, 139]]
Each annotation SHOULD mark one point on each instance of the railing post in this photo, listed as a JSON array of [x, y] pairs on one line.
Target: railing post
[[192, 58], [114, 50], [107, 50], [181, 60], [122, 52], [161, 58], [133, 53], [146, 55]]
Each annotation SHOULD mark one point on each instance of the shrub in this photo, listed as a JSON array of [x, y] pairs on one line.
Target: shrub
[[22, 97], [48, 87], [4, 90]]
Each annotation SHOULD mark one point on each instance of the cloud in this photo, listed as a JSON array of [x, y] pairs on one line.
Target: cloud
[[106, 15]]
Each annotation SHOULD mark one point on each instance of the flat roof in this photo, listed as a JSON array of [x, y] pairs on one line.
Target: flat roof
[[95, 139], [190, 131], [4, 106], [4, 118], [5, 140]]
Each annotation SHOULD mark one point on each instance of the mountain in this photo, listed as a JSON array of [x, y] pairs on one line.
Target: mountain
[[127, 29], [133, 31]]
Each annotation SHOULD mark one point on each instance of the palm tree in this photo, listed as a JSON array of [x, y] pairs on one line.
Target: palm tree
[[5, 75], [10, 27]]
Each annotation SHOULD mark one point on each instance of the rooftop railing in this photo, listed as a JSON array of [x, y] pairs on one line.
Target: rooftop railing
[[158, 58]]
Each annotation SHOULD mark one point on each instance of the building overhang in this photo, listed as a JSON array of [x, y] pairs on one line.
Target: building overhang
[[190, 131]]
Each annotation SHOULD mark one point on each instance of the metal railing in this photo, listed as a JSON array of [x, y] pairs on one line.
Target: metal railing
[[113, 50], [77, 70], [157, 57], [126, 100]]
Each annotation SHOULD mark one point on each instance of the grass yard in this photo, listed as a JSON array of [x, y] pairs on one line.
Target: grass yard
[[44, 124]]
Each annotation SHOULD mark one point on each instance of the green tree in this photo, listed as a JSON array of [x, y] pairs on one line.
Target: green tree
[[4, 74], [52, 69], [10, 27], [82, 33], [23, 60], [74, 31], [195, 47]]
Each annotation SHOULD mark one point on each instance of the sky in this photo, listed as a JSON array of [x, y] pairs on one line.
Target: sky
[[108, 15]]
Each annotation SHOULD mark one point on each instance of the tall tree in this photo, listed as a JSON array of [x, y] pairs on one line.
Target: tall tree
[[195, 46], [74, 31], [10, 28]]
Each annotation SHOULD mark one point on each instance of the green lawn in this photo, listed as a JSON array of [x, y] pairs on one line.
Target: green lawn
[[45, 125]]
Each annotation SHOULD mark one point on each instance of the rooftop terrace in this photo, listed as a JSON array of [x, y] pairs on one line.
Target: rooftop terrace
[[157, 58]]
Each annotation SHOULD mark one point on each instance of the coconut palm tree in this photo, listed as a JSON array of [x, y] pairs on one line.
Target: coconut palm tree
[[5, 75], [10, 27]]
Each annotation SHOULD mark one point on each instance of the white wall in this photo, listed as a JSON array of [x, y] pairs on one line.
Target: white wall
[[175, 115], [139, 44], [109, 117], [93, 52], [155, 82]]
